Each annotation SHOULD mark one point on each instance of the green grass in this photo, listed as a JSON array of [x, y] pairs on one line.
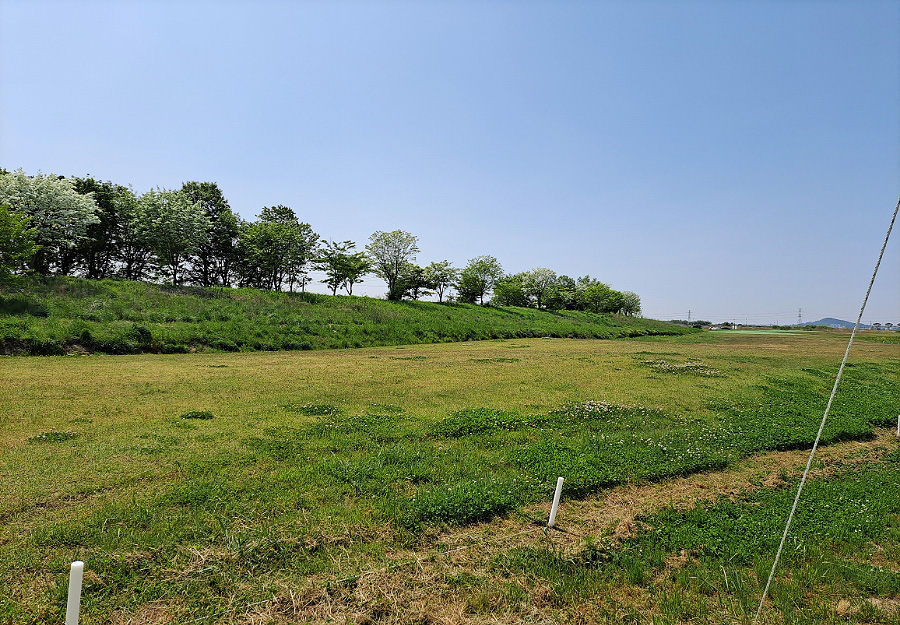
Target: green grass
[[726, 549], [59, 315], [319, 465]]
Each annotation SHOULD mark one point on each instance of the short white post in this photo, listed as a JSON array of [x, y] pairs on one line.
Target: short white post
[[898, 425], [76, 574], [555, 506]]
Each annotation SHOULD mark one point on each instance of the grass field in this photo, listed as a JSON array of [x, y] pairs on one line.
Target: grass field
[[768, 332], [329, 486]]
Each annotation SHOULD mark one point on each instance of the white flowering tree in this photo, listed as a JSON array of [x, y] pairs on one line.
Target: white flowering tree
[[175, 228], [537, 284], [59, 215], [631, 304]]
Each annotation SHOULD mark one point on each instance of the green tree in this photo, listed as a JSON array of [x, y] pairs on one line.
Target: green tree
[[213, 262], [413, 282], [59, 215], [100, 251], [16, 242], [478, 278], [441, 276], [598, 297], [389, 253], [174, 227], [510, 291], [342, 267], [276, 249], [134, 238], [563, 295], [537, 284], [259, 255], [303, 251]]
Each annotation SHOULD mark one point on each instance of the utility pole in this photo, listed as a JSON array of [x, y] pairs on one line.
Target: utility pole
[[799, 316]]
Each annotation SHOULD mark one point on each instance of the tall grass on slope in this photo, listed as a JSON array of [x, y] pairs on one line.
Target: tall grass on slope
[[58, 315]]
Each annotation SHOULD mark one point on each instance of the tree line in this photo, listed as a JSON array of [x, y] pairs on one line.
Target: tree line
[[94, 229]]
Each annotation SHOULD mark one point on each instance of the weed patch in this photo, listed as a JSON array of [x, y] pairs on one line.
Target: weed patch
[[313, 410], [197, 414], [660, 365], [391, 409], [378, 426], [280, 443], [477, 421], [53, 436], [466, 502], [495, 359]]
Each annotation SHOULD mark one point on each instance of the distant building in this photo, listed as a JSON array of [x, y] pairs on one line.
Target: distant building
[[889, 326], [877, 327]]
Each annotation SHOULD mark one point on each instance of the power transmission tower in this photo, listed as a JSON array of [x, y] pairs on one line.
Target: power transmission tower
[[799, 316], [689, 316]]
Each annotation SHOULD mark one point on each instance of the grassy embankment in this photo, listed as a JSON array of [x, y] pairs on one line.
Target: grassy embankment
[[316, 467], [52, 316]]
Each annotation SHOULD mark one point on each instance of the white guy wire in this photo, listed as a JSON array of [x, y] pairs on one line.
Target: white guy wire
[[812, 453]]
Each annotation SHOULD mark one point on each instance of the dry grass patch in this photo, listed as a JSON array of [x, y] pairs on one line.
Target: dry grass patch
[[156, 613]]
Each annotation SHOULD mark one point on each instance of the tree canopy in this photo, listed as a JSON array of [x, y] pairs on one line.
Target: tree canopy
[[215, 256], [389, 253], [537, 282], [59, 215], [343, 268], [441, 276], [96, 229], [478, 278], [16, 242], [276, 249], [175, 228], [98, 252]]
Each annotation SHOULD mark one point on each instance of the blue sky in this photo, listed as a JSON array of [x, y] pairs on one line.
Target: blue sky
[[738, 159]]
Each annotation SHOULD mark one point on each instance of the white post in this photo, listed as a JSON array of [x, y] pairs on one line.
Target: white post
[[898, 425], [76, 574], [555, 506]]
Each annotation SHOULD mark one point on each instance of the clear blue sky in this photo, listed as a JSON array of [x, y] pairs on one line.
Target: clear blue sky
[[737, 159]]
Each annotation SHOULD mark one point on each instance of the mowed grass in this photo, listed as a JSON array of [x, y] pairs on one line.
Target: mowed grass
[[200, 483]]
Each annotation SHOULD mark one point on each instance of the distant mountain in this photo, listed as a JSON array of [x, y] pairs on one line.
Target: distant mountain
[[831, 322]]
